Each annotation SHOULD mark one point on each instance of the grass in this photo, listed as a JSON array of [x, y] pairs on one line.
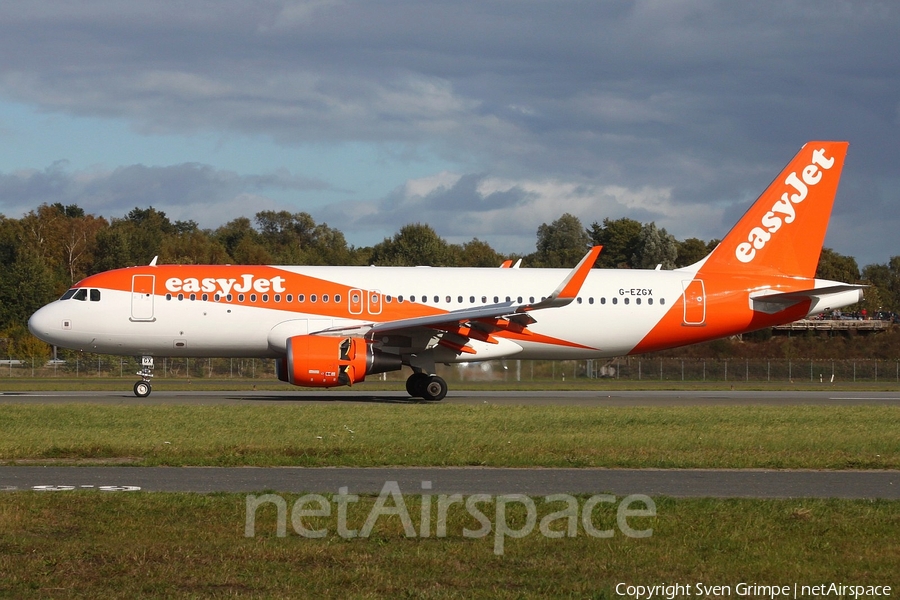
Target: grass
[[155, 545], [815, 437]]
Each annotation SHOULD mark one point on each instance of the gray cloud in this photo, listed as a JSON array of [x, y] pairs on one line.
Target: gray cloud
[[186, 191], [705, 99]]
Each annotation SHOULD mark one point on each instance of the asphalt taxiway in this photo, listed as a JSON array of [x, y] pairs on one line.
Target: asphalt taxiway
[[706, 483], [567, 398]]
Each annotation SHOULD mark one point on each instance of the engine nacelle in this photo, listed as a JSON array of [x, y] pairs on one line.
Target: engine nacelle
[[321, 361]]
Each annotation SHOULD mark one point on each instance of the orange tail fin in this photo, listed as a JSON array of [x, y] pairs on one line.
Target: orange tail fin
[[783, 231]]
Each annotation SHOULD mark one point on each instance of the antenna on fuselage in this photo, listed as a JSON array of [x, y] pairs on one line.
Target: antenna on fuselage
[[153, 262]]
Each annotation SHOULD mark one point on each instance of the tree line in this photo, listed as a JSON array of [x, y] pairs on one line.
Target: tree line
[[53, 246]]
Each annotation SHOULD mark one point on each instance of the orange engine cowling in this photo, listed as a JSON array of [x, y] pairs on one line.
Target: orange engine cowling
[[320, 361]]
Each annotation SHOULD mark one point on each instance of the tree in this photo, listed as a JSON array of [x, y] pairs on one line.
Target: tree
[[837, 267], [242, 243], [79, 242], [657, 247], [620, 240], [886, 278], [478, 254], [415, 244], [691, 250], [25, 286], [562, 243]]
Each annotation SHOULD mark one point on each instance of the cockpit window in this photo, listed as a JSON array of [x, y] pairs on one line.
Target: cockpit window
[[95, 295], [68, 294], [81, 294]]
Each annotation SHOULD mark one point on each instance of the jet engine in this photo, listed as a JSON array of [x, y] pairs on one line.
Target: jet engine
[[322, 361]]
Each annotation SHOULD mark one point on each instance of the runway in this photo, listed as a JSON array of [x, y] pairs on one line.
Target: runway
[[600, 398], [685, 483]]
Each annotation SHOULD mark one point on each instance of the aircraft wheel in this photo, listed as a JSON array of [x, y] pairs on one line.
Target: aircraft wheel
[[435, 388], [415, 384], [142, 389]]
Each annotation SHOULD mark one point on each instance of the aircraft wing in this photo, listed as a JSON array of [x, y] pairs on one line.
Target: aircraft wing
[[479, 322]]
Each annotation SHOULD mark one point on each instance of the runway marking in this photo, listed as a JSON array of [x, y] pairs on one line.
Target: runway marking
[[69, 488], [864, 398]]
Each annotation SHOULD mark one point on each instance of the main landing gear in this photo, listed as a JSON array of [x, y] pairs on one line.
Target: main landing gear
[[425, 386], [143, 388]]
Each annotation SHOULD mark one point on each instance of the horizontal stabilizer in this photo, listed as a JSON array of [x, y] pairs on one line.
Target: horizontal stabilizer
[[821, 299]]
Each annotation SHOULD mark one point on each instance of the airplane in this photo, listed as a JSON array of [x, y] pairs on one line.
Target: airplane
[[331, 326]]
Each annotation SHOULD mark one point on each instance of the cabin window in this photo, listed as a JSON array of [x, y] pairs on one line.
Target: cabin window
[[277, 297], [240, 297], [290, 298], [205, 297], [337, 298], [579, 299], [301, 298], [662, 300], [531, 299], [180, 297], [650, 301], [496, 299], [591, 300], [168, 296], [626, 300], [312, 298], [602, 300], [471, 299], [637, 300], [229, 297], [252, 297], [615, 300]]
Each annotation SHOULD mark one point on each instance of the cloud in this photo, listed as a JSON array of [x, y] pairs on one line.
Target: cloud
[[507, 212], [680, 111], [186, 191]]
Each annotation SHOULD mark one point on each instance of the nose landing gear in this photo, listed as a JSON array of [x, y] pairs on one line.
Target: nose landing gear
[[143, 388]]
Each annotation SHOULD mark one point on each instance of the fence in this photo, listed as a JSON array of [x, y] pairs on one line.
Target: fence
[[757, 370], [626, 368]]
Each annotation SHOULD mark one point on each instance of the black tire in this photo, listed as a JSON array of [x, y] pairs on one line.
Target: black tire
[[435, 389], [142, 389], [415, 384]]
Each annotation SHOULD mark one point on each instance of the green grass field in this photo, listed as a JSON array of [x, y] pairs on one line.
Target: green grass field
[[817, 437], [127, 545], [159, 545]]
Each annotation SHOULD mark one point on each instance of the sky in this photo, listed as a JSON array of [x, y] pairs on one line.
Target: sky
[[481, 118]]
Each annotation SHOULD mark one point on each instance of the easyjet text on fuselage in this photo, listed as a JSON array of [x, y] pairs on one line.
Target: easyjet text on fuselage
[[221, 285]]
